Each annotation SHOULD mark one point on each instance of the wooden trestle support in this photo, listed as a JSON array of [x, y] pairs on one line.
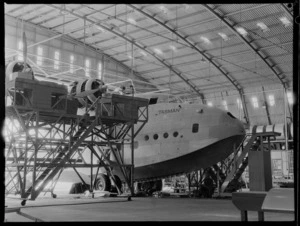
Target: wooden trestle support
[[40, 143]]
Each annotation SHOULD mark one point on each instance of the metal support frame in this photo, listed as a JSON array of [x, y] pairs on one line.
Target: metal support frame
[[267, 106], [140, 46], [248, 42], [72, 40], [43, 143], [233, 167], [287, 10]]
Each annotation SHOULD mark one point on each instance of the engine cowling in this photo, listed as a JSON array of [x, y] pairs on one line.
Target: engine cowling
[[90, 89], [17, 66]]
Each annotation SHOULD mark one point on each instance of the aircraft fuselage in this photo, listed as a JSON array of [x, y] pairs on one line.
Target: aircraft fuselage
[[181, 137]]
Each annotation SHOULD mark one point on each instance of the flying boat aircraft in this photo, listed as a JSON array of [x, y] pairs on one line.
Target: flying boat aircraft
[[179, 137]]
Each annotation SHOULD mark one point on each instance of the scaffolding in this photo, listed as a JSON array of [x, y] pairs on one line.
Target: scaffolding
[[227, 173], [43, 135]]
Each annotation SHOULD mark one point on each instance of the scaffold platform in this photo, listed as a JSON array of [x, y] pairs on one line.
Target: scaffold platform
[[41, 142]]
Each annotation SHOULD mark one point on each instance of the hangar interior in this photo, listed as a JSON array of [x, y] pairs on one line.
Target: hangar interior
[[233, 57]]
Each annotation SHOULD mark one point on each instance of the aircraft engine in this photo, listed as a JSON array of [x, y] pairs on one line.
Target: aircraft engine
[[87, 91], [17, 66]]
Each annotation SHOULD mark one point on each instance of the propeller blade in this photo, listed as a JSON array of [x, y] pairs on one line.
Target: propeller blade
[[24, 50]]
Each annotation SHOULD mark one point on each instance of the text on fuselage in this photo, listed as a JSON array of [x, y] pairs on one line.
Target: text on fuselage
[[167, 111]]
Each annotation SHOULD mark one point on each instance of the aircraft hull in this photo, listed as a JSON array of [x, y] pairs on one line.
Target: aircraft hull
[[201, 158]]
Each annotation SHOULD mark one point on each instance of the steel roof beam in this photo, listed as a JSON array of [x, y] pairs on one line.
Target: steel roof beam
[[212, 40], [187, 25], [287, 10], [192, 45], [40, 15], [76, 42], [248, 43], [144, 48]]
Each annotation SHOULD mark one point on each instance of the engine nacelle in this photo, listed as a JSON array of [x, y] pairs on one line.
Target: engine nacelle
[[15, 69], [87, 91]]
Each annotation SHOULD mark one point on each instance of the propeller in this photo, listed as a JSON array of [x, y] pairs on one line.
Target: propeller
[[89, 92], [24, 50]]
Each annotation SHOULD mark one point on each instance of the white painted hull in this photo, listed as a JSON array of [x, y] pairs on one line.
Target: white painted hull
[[215, 126]]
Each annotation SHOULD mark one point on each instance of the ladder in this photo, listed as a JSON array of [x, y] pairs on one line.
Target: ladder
[[239, 162], [49, 173]]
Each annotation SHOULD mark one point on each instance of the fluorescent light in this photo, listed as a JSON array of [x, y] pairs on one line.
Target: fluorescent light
[[129, 56], [239, 103], [131, 20], [163, 9], [271, 100], [186, 6], [173, 48], [224, 36], [205, 40], [254, 102], [290, 97], [158, 51], [209, 103], [225, 105], [286, 22], [143, 53], [242, 31], [100, 28], [263, 27]]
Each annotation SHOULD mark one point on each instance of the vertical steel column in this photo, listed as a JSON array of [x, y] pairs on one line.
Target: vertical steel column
[[285, 121], [285, 128], [92, 186], [132, 158], [246, 115], [25, 163], [267, 107], [35, 154]]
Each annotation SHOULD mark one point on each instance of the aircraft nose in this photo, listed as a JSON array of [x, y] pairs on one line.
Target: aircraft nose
[[239, 126]]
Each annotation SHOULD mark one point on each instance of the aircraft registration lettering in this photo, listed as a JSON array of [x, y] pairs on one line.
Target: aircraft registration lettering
[[167, 111]]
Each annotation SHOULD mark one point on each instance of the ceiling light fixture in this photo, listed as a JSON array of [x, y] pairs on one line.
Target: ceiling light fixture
[[242, 31], [143, 53], [132, 21], [224, 36], [205, 40], [158, 51], [286, 22], [163, 9], [173, 48], [186, 6], [100, 28], [263, 27]]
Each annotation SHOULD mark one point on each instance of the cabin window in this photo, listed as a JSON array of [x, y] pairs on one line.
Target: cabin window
[[146, 137], [195, 128], [155, 136], [175, 134], [153, 100], [166, 135]]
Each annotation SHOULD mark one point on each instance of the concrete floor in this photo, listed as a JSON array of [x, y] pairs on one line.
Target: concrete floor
[[81, 208]]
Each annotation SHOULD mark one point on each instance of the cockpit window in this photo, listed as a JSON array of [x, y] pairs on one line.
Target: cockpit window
[[153, 100], [228, 113]]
